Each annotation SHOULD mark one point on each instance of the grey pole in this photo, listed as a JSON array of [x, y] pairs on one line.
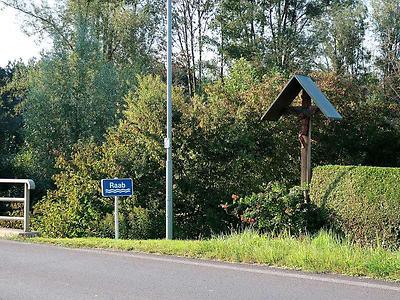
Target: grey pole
[[168, 142], [116, 220], [26, 207]]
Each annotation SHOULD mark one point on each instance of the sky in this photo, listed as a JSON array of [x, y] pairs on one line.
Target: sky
[[14, 43]]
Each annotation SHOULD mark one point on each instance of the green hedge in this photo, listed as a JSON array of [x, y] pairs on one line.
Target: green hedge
[[361, 202]]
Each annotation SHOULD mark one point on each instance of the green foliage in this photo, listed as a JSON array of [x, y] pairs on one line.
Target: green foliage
[[242, 77], [141, 223], [385, 16], [76, 207], [205, 139], [342, 45], [11, 139], [135, 222], [363, 202], [206, 134], [221, 147], [10, 119], [277, 209], [369, 133], [71, 96], [269, 33], [128, 31], [12, 209]]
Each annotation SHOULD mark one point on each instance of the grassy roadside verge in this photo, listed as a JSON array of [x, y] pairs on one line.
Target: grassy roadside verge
[[323, 253]]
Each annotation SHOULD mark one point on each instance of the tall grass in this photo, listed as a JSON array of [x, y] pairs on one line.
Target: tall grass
[[325, 253]]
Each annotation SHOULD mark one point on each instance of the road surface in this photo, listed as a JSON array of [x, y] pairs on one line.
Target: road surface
[[29, 271]]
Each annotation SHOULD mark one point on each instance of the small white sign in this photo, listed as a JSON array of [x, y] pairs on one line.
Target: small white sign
[[167, 143]]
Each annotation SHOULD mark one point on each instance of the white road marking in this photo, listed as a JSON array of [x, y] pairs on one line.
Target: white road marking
[[227, 266]]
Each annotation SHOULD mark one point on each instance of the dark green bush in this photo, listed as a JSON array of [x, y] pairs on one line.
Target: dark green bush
[[277, 209], [363, 202], [140, 223], [77, 209], [135, 223], [217, 151]]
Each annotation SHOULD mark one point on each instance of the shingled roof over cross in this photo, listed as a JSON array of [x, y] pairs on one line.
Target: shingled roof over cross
[[292, 90]]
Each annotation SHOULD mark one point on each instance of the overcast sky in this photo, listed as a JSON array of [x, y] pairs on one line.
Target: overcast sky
[[14, 44]]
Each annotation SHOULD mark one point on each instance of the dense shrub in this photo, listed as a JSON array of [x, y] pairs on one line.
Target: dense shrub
[[135, 223], [363, 202], [141, 223], [217, 151], [368, 134], [277, 209], [76, 208]]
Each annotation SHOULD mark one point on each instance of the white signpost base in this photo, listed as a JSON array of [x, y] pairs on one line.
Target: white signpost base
[[116, 219]]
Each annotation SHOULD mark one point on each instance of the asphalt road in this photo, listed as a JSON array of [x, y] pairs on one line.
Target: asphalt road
[[30, 271]]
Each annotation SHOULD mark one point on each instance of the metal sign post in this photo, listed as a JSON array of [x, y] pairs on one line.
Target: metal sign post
[[168, 140], [116, 188], [116, 219]]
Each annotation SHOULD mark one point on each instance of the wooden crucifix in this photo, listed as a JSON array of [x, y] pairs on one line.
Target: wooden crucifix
[[305, 139], [310, 93]]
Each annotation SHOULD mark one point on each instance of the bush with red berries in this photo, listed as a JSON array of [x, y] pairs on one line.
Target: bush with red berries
[[276, 209]]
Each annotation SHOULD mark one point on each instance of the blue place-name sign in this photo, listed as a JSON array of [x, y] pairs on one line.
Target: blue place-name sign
[[117, 187]]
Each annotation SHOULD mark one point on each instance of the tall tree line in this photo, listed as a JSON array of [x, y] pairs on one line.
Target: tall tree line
[[290, 35], [103, 45]]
